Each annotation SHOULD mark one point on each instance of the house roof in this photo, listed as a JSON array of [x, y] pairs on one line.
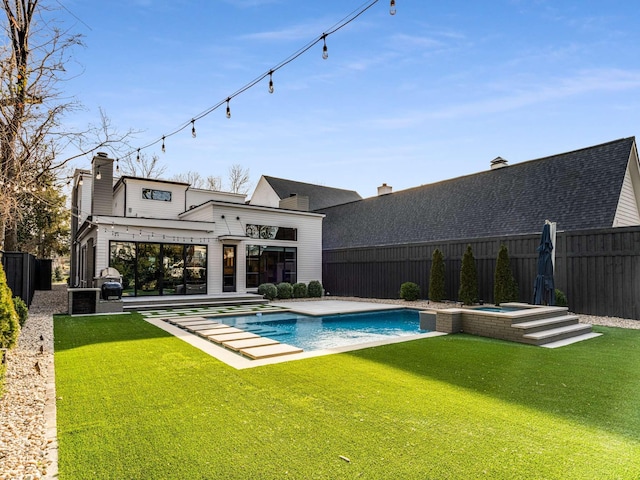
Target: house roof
[[578, 190], [319, 196]]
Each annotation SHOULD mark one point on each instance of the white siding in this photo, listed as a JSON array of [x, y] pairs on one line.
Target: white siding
[[140, 207], [84, 198], [264, 195], [627, 213], [197, 197], [118, 201]]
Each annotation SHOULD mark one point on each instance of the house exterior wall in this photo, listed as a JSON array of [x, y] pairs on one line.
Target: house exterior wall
[[119, 203], [627, 213], [141, 207], [197, 197], [265, 195]]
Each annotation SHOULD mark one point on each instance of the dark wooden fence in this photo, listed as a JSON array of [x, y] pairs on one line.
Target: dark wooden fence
[[598, 270], [26, 274]]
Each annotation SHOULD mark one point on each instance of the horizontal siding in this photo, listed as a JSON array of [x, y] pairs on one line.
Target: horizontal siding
[[140, 207], [627, 211]]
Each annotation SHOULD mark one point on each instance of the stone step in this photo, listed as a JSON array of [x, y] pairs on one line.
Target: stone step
[[173, 302], [556, 334], [533, 326], [568, 341]]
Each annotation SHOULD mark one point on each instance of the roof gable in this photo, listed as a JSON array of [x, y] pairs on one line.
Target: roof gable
[[578, 190]]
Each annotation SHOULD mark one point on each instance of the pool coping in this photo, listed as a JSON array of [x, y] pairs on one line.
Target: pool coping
[[239, 362]]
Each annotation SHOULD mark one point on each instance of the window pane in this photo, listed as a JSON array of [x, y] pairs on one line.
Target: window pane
[[123, 258], [196, 269]]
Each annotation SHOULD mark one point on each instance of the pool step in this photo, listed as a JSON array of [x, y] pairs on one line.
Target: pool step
[[557, 334], [533, 326]]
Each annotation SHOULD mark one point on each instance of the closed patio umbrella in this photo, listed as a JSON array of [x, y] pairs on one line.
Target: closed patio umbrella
[[544, 292]]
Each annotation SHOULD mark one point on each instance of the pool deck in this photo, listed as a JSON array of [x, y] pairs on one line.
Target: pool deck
[[324, 307]]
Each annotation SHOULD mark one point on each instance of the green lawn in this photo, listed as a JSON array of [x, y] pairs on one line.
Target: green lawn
[[135, 402]]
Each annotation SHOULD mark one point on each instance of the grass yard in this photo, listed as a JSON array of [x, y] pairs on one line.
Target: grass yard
[[135, 402]]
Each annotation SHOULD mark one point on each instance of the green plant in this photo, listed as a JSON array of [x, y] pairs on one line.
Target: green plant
[[468, 292], [9, 321], [285, 290], [409, 291], [561, 299], [268, 291], [57, 274], [315, 289], [21, 309], [436, 277], [299, 290], [505, 288]]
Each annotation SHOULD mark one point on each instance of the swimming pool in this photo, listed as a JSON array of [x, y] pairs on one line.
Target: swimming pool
[[330, 331]]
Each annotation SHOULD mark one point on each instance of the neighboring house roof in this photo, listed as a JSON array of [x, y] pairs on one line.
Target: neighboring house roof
[[578, 190], [319, 196]]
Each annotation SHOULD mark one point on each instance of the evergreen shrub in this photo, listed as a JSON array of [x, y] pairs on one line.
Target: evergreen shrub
[[21, 309], [300, 290], [436, 277], [9, 321], [561, 299], [409, 291], [285, 290], [505, 288], [314, 290], [468, 292], [268, 291]]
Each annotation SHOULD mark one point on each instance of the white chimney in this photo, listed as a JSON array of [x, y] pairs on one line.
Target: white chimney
[[498, 162], [384, 189]]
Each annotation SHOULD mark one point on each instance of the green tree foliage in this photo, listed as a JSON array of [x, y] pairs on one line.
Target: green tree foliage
[[468, 292], [21, 309], [409, 291], [505, 288], [436, 278], [9, 321]]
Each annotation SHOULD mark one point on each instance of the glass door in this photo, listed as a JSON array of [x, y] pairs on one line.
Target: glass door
[[228, 268], [149, 271], [173, 269]]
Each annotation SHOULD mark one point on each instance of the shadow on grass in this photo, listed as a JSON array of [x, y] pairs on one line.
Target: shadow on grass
[[89, 330], [596, 382]]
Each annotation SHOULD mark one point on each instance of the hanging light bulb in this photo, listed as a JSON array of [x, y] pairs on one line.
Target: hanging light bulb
[[138, 156], [228, 108], [163, 149], [392, 7], [117, 165], [81, 182], [271, 81], [325, 51], [98, 175], [193, 128]]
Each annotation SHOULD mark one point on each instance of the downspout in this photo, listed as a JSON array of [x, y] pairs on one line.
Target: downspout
[[124, 182]]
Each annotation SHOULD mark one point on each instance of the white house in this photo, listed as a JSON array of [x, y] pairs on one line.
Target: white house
[[166, 238]]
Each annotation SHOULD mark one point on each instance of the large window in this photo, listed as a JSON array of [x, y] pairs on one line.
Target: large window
[[160, 268], [271, 233], [271, 265], [152, 194]]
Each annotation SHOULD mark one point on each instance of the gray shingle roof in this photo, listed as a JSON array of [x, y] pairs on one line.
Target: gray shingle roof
[[319, 196], [578, 190]]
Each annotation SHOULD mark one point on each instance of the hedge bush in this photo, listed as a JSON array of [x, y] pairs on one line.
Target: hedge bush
[[436, 277], [21, 309], [409, 291], [268, 291], [561, 299], [9, 321], [505, 288], [468, 292], [299, 290], [314, 289], [285, 290]]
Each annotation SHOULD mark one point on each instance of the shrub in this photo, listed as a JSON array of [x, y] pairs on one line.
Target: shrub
[[436, 277], [505, 288], [315, 289], [21, 310], [561, 299], [299, 290], [409, 291], [285, 290], [268, 291], [57, 274], [9, 322], [468, 292]]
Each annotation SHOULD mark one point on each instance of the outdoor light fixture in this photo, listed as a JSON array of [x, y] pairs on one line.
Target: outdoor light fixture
[[81, 182], [325, 52], [163, 149], [228, 108], [271, 81], [98, 174], [193, 128], [392, 7]]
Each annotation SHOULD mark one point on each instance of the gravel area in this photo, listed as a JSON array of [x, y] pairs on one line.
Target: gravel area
[[28, 448]]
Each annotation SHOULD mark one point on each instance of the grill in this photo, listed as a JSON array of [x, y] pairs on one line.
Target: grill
[[111, 291]]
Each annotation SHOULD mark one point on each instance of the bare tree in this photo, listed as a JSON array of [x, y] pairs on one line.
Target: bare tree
[[213, 183], [142, 166], [192, 178], [239, 180]]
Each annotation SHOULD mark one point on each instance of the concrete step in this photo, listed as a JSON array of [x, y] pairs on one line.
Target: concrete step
[[555, 334], [571, 340], [173, 303], [533, 326]]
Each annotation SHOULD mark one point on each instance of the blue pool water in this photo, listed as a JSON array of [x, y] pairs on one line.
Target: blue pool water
[[317, 333]]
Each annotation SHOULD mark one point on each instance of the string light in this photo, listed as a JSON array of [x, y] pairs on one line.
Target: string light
[[392, 7], [81, 181], [117, 165], [163, 149], [138, 156], [98, 174], [325, 54], [325, 51]]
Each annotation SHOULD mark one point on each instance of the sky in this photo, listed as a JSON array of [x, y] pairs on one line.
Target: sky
[[434, 92]]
